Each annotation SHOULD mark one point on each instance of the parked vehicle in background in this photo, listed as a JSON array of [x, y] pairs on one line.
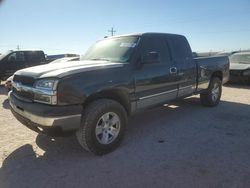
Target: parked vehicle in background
[[12, 61], [8, 83], [118, 76], [240, 67], [65, 59], [224, 53]]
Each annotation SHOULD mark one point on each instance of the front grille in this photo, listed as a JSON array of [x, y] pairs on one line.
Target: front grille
[[27, 81], [235, 72], [23, 94], [24, 80]]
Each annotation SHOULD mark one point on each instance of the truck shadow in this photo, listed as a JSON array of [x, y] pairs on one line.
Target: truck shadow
[[6, 104], [182, 139], [26, 168]]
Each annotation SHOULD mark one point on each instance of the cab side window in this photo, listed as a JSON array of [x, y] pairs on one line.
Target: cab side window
[[156, 44], [20, 57], [12, 57], [16, 57], [35, 58]]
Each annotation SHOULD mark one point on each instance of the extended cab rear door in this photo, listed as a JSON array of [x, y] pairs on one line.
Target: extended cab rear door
[[185, 65], [155, 83]]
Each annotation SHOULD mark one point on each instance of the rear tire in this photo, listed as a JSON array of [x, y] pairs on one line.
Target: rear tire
[[102, 127], [213, 94]]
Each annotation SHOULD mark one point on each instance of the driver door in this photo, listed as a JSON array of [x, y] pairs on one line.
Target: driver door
[[156, 83]]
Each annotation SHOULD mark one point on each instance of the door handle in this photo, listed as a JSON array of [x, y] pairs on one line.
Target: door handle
[[173, 70]]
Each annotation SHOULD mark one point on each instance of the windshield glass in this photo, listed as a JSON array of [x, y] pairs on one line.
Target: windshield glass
[[243, 58], [113, 49], [4, 54]]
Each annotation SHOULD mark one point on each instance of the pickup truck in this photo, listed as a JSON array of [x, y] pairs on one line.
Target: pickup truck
[[118, 76], [12, 61]]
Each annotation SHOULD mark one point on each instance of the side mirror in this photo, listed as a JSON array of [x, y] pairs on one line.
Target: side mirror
[[151, 57]]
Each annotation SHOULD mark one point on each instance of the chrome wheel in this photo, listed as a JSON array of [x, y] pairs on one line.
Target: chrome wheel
[[215, 92], [107, 128]]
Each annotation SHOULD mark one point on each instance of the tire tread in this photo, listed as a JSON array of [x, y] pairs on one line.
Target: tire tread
[[89, 116], [205, 98]]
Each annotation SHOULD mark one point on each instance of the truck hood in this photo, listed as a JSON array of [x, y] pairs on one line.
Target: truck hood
[[60, 70], [239, 66]]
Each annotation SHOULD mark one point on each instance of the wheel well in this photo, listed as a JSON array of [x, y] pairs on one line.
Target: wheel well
[[115, 95], [217, 74]]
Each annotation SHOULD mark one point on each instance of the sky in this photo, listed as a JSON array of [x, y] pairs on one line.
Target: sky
[[63, 26]]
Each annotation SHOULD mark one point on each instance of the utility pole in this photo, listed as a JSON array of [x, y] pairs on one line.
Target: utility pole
[[112, 31], [18, 47]]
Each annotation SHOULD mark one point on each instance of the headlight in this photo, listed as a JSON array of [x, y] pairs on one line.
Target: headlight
[[246, 73], [49, 84], [46, 91]]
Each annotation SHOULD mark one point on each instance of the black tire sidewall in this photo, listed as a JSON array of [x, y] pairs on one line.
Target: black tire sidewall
[[92, 142]]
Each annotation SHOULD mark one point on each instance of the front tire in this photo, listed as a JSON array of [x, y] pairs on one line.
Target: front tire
[[213, 94], [102, 127]]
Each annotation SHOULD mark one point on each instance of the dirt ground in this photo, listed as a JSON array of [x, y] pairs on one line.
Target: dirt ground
[[181, 145]]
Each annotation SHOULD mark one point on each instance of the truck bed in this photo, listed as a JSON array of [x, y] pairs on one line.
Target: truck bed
[[205, 67]]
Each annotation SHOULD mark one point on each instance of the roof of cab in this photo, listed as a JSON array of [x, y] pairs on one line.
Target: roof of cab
[[27, 50], [144, 34]]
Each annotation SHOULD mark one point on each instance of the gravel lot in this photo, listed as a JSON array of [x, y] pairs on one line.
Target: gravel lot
[[182, 145]]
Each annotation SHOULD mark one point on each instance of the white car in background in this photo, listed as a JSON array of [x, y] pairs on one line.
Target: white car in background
[[240, 67]]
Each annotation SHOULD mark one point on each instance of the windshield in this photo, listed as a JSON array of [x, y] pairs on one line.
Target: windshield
[[243, 58], [4, 54], [113, 49]]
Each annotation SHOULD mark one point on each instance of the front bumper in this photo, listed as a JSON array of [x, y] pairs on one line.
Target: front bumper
[[51, 120]]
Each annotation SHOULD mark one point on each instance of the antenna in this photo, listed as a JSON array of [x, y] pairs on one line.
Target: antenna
[[112, 31]]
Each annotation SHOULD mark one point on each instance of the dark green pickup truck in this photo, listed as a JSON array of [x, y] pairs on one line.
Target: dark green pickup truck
[[118, 76]]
